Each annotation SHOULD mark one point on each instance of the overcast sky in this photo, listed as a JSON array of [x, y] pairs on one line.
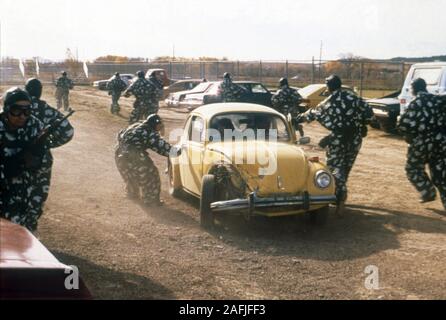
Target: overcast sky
[[258, 29]]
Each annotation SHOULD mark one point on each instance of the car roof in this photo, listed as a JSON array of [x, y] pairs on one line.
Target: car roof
[[248, 82], [189, 80], [430, 64], [210, 110]]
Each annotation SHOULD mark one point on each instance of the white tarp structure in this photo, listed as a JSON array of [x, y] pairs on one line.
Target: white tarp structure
[[22, 68], [86, 69], [37, 67]]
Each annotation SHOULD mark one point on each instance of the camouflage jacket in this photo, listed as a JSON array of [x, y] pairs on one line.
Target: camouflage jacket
[[138, 137], [286, 99], [157, 90], [64, 83], [11, 144], [231, 92], [141, 89], [424, 121], [116, 85], [47, 115], [343, 113]]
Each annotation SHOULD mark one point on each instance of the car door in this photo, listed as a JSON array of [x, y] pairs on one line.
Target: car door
[[192, 148], [260, 94]]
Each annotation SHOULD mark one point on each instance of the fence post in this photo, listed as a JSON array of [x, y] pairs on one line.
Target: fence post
[[286, 69], [403, 78], [312, 70], [260, 71], [361, 76], [217, 69], [170, 70]]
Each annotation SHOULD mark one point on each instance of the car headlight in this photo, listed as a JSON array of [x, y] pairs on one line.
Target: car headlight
[[322, 179]]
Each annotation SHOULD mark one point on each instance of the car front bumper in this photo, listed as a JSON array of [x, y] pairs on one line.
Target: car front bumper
[[254, 204]]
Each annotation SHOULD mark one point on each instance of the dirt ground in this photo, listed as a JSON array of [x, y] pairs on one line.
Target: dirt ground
[[124, 251]]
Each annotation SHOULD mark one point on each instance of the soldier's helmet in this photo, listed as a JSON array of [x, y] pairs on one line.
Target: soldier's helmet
[[418, 85], [64, 73], [34, 87], [333, 82], [152, 121], [140, 74], [14, 95], [227, 76], [117, 74], [283, 82]]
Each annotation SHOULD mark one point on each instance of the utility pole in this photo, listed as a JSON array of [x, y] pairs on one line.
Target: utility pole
[[320, 62]]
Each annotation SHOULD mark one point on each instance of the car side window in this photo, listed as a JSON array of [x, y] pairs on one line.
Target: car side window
[[196, 132], [258, 88]]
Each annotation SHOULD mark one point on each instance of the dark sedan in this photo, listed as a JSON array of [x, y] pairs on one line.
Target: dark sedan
[[386, 110], [256, 93]]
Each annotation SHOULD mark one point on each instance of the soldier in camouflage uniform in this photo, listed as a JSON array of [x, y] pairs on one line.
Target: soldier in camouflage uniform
[[142, 90], [346, 116], [18, 182], [230, 92], [156, 93], [134, 163], [286, 101], [424, 127], [115, 87], [63, 134], [63, 86]]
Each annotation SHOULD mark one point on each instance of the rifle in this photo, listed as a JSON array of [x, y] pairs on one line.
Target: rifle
[[31, 155]]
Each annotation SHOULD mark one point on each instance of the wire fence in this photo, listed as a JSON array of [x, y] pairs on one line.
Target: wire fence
[[360, 74]]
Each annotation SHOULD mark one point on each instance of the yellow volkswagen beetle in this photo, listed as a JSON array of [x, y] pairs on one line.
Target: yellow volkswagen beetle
[[244, 158]]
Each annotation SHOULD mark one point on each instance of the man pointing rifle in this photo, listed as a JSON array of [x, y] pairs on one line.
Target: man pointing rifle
[[24, 143], [61, 134]]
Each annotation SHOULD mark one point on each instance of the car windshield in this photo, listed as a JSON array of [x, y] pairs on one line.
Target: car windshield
[[430, 75], [248, 126], [308, 90]]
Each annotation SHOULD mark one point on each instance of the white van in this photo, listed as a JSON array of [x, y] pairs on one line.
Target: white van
[[434, 73]]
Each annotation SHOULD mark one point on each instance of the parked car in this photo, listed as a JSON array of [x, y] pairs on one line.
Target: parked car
[[434, 73], [386, 111], [174, 99], [181, 85], [102, 84], [29, 271], [163, 74], [233, 176], [256, 93], [314, 94]]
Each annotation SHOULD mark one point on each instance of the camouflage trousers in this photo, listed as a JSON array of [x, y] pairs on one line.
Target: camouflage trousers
[[341, 156], [62, 99], [114, 108], [141, 111], [416, 172], [140, 175], [22, 200]]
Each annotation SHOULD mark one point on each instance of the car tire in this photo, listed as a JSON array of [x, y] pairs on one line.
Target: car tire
[[207, 197], [388, 125], [318, 217]]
